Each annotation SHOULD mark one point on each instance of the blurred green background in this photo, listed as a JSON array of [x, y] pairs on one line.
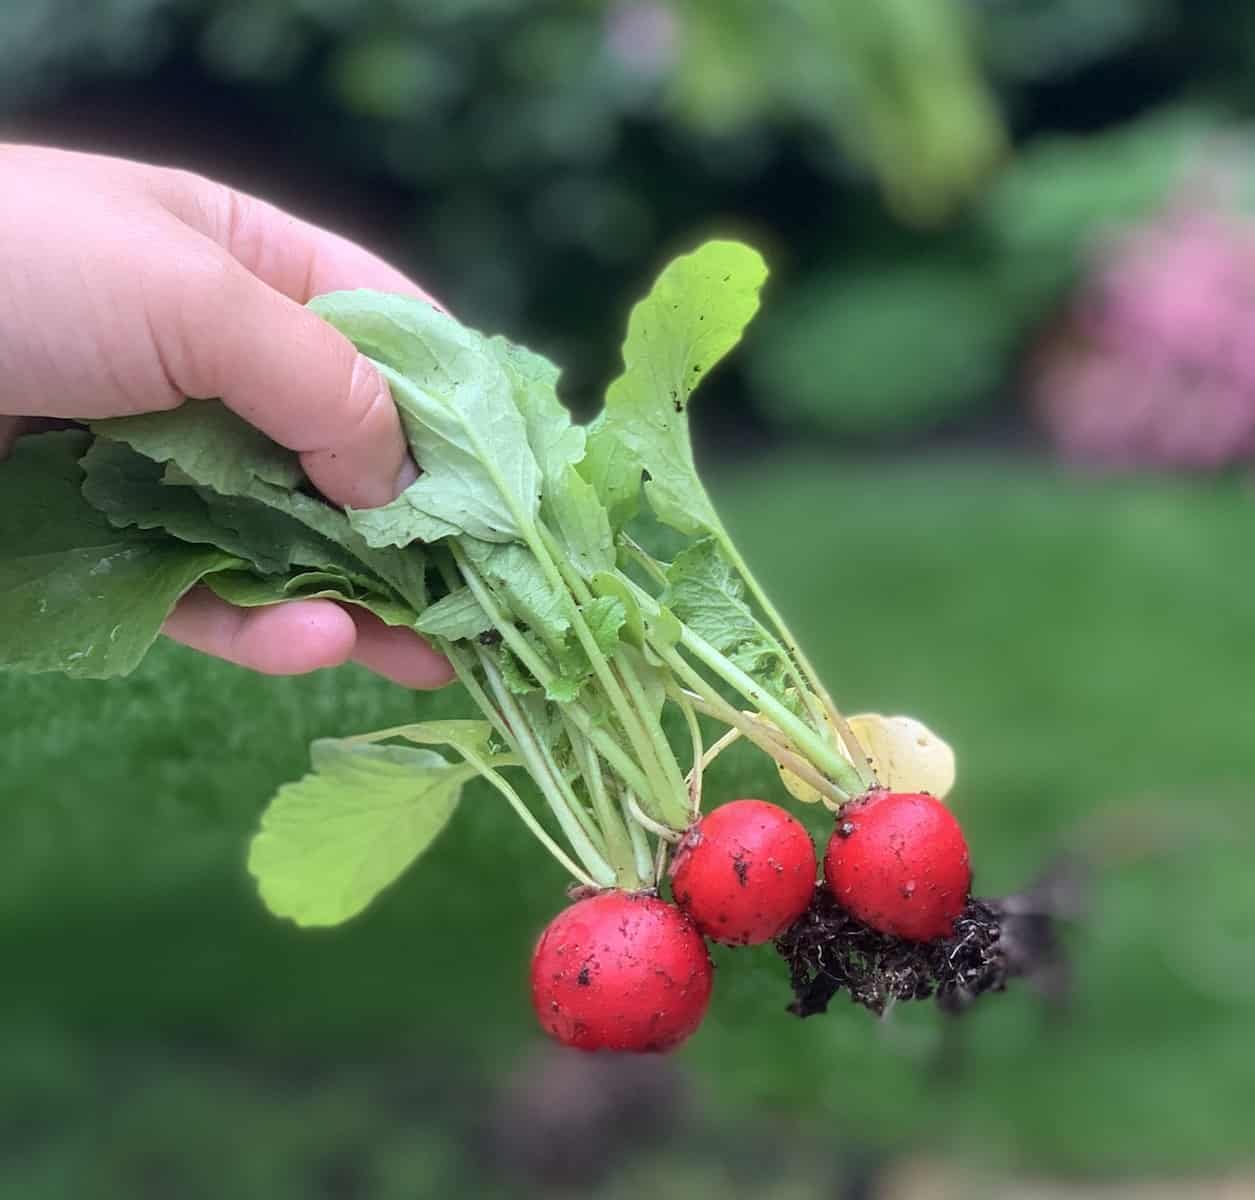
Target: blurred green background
[[996, 227]]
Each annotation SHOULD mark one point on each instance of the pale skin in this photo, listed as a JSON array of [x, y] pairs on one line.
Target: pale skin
[[125, 288]]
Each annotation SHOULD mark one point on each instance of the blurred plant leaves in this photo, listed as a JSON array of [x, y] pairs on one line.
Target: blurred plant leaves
[[884, 350], [896, 84]]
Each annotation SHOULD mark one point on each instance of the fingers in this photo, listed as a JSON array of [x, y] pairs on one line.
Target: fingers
[[240, 332], [304, 636], [225, 333], [286, 639], [297, 259], [397, 654]]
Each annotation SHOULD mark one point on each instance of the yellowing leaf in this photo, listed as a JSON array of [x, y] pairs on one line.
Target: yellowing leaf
[[798, 788], [906, 755]]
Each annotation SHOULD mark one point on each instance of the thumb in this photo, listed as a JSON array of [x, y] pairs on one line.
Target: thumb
[[228, 334]]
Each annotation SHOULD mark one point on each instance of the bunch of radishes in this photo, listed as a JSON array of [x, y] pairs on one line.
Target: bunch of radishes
[[627, 971], [528, 553]]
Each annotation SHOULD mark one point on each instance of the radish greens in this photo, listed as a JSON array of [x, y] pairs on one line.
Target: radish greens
[[520, 552]]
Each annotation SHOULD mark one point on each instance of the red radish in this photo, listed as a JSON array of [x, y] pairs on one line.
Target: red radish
[[898, 861], [621, 971], [745, 872]]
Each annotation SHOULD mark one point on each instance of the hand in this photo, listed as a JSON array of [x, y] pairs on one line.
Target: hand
[[125, 288]]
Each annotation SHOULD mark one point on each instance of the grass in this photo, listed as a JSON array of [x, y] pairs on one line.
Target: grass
[[1080, 642]]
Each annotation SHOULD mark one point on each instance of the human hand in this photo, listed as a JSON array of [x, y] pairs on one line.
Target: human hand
[[125, 288]]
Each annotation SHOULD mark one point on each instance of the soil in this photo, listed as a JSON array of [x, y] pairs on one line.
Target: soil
[[995, 940]]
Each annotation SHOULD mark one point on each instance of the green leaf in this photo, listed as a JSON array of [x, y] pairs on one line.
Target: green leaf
[[134, 490], [266, 531], [581, 523], [565, 689], [607, 583], [663, 625], [516, 577], [653, 678], [204, 444], [210, 443], [695, 313], [247, 590], [330, 843], [516, 676], [605, 617], [130, 490], [472, 738], [457, 405], [457, 616], [399, 523], [404, 570], [705, 592], [545, 721], [77, 594], [555, 442]]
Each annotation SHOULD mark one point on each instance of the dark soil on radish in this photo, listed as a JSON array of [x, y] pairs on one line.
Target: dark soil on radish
[[828, 951]]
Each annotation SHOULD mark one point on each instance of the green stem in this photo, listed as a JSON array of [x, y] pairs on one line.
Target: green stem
[[667, 802], [772, 613], [767, 738], [819, 751], [608, 748], [510, 634], [528, 656], [652, 566], [569, 798], [619, 850], [660, 831], [466, 675], [670, 802], [515, 801], [862, 767], [812, 743], [601, 741], [406, 731], [631, 720], [790, 657], [699, 754], [526, 741], [640, 843], [731, 736], [660, 860]]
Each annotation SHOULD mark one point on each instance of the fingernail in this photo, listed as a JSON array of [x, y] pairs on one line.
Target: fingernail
[[408, 474]]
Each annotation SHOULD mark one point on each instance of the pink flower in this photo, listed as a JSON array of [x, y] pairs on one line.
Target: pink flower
[[643, 36], [1153, 363]]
